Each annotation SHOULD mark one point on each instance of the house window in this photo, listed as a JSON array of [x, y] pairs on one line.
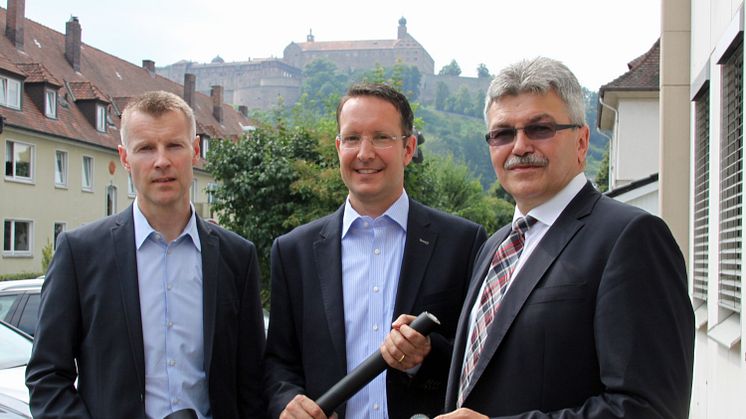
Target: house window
[[50, 103], [60, 168], [193, 191], [59, 228], [205, 147], [10, 92], [17, 237], [701, 194], [731, 183], [111, 200], [211, 190], [131, 192], [101, 118], [87, 173], [19, 160]]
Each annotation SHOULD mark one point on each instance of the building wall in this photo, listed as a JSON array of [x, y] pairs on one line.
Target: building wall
[[637, 144], [720, 366], [44, 204]]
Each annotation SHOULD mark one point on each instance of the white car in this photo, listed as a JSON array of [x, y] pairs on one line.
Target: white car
[[15, 351]]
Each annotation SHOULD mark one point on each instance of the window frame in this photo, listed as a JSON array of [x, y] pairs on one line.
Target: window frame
[[10, 153], [100, 117], [56, 234], [12, 252], [89, 187], [50, 103], [64, 171], [5, 86]]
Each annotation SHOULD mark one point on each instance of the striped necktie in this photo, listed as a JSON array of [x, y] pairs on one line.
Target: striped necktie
[[495, 285]]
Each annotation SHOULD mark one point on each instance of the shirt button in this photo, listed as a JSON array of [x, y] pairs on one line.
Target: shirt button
[[376, 406], [171, 362], [376, 289], [175, 401], [366, 224], [169, 286], [375, 327], [170, 324], [377, 251]]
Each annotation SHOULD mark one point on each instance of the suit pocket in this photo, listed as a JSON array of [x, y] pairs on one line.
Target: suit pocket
[[556, 294]]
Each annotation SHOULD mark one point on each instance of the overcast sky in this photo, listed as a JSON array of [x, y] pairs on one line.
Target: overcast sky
[[595, 38]]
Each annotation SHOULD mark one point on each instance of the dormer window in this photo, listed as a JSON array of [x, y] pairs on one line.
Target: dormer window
[[205, 147], [10, 92], [50, 103], [101, 118]]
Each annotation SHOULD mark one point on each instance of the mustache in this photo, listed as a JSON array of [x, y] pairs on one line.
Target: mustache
[[531, 160]]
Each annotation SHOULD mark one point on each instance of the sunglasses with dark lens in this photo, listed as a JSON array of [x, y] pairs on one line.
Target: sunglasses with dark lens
[[538, 131]]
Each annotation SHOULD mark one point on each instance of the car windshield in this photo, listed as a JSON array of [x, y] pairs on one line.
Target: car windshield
[[15, 348]]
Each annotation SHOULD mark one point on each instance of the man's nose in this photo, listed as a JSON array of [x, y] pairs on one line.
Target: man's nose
[[366, 150]]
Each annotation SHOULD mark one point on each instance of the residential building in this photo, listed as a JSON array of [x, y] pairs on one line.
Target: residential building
[[628, 109], [701, 186], [60, 107]]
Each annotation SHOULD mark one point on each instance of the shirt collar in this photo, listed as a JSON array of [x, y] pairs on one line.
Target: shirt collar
[[548, 212], [398, 212], [143, 229]]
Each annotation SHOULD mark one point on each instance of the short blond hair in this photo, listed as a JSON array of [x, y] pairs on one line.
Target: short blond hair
[[157, 103]]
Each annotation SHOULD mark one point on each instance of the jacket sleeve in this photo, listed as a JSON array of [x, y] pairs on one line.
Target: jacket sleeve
[[51, 371], [251, 342], [283, 374]]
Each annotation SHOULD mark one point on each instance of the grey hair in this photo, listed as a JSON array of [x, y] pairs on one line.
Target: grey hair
[[157, 103], [539, 75]]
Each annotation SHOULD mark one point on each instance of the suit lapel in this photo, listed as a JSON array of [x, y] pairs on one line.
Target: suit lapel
[[210, 264], [551, 245], [328, 254], [123, 238], [418, 248]]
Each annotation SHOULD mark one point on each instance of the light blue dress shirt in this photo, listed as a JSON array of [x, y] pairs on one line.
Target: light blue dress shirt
[[170, 284], [372, 251]]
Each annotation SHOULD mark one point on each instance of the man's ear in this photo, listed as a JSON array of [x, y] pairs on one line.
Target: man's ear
[[410, 146], [123, 157]]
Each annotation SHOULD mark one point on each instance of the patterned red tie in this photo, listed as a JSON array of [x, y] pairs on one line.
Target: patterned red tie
[[495, 286]]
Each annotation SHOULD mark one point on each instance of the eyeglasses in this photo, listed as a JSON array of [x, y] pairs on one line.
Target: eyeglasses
[[379, 141], [538, 131]]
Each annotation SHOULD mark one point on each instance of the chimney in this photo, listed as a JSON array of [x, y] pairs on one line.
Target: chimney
[[244, 110], [72, 42], [216, 92], [190, 83], [14, 22], [149, 65]]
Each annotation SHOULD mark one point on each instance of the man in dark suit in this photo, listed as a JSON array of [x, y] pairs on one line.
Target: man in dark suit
[[338, 282], [592, 318], [152, 310]]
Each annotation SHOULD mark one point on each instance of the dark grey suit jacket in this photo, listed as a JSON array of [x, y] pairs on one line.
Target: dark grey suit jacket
[[306, 351], [597, 324], [90, 316]]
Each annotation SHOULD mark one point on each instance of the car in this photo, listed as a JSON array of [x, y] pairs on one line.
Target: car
[[19, 303], [15, 351]]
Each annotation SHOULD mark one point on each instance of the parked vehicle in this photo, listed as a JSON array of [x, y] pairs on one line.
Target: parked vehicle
[[19, 303], [15, 351]]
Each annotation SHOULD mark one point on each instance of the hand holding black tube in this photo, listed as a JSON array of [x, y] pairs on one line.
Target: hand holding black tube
[[368, 369]]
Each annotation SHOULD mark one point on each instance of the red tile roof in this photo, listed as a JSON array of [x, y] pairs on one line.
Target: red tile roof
[[102, 76], [85, 90], [37, 73], [643, 74]]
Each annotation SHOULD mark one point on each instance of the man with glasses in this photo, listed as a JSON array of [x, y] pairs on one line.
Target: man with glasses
[[580, 308], [339, 282]]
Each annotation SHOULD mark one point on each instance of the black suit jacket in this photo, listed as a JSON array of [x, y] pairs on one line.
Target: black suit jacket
[[597, 324], [90, 315], [306, 350]]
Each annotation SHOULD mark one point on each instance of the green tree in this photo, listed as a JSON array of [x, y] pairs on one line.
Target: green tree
[[322, 84], [46, 255], [483, 72], [464, 102], [450, 69], [442, 94], [602, 176]]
